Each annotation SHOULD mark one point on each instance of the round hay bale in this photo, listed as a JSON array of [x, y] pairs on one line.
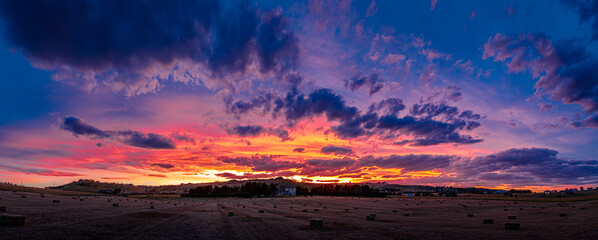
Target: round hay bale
[[469, 215], [304, 210], [406, 214], [488, 221], [152, 207], [230, 214], [316, 210], [2, 208], [81, 199], [23, 196], [511, 217], [260, 211], [562, 215], [394, 211], [346, 209], [12, 220], [371, 217], [316, 223], [55, 201], [115, 204], [512, 226]]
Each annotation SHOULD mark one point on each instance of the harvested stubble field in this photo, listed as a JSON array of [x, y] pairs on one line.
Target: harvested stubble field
[[198, 218]]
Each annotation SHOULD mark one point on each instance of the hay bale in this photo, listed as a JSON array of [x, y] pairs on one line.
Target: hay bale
[[23, 196], [469, 215], [230, 214], [304, 210], [316, 223], [394, 211], [406, 214], [346, 209], [12, 220], [55, 201], [74, 198], [81, 199], [260, 211], [371, 217], [511, 217], [152, 207], [562, 215], [316, 210], [115, 204], [2, 208], [512, 226], [488, 221]]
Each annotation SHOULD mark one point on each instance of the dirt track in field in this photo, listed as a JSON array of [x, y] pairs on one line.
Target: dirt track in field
[[429, 218]]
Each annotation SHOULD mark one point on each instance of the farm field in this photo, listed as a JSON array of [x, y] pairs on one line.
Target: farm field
[[96, 217]]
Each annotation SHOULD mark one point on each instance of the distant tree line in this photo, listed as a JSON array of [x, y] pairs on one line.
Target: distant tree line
[[342, 190], [252, 189], [248, 189]]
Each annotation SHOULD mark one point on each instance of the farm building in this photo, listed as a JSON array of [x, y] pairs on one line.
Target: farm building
[[287, 189]]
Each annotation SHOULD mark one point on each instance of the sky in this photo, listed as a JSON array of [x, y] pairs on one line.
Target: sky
[[498, 94]]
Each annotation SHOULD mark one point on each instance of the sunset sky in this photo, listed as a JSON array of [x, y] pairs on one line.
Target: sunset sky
[[464, 93]]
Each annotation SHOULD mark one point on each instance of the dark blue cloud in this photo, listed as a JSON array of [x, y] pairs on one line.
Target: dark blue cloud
[[296, 106], [257, 130], [565, 70], [336, 150], [409, 162], [299, 150], [78, 127], [163, 165], [538, 165], [391, 106], [430, 110], [181, 136], [588, 11], [373, 81], [247, 131], [260, 163], [115, 42]]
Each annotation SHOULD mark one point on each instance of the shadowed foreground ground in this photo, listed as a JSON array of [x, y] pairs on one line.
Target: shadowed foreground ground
[[430, 218]]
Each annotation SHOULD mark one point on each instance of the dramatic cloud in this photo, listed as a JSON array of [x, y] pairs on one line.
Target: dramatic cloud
[[374, 82], [588, 11], [337, 150], [184, 137], [163, 165], [257, 130], [90, 43], [260, 163], [298, 150], [566, 71], [409, 162], [530, 166], [391, 106], [129, 137]]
